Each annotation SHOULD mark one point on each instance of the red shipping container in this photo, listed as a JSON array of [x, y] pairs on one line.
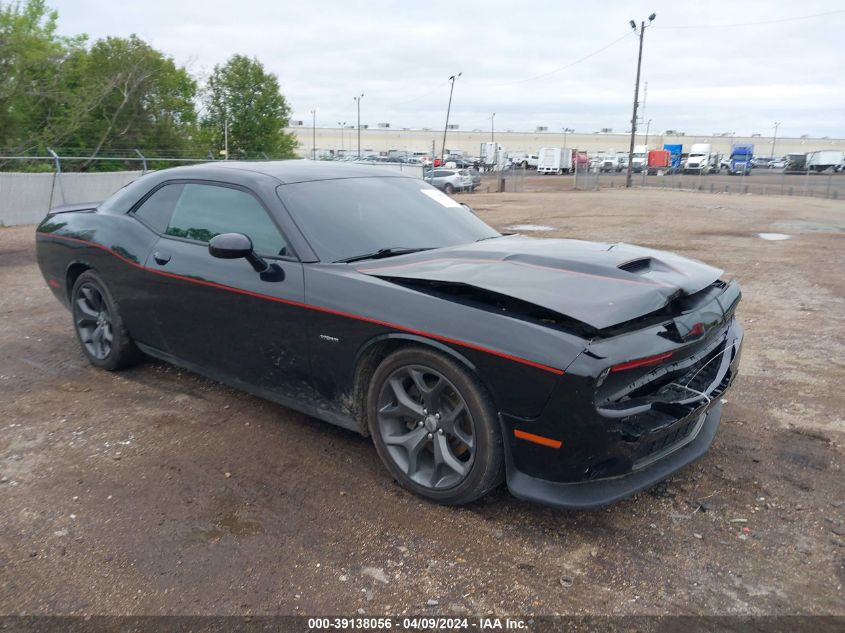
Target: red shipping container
[[659, 158]]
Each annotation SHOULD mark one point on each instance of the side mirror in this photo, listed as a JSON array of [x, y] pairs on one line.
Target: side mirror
[[236, 246]]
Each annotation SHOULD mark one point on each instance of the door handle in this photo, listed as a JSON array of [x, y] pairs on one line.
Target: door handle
[[161, 258]]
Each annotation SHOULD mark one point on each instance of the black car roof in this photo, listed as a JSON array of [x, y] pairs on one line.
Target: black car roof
[[290, 171]]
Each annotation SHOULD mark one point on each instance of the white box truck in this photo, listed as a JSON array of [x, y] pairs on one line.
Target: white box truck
[[554, 160], [825, 159]]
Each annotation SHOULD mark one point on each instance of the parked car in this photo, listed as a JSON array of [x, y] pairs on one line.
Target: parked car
[[459, 162], [778, 163], [450, 180], [577, 372]]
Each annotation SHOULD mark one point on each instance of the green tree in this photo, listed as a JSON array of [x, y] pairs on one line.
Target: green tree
[[249, 97], [128, 96], [32, 65]]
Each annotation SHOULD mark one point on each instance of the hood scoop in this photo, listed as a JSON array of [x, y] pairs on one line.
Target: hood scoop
[[643, 265]]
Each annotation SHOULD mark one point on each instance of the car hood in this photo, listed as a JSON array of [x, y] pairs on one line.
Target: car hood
[[598, 284]]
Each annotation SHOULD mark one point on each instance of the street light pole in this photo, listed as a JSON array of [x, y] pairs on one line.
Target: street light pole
[[573, 160], [342, 125], [636, 98], [775, 137], [314, 134], [493, 128], [448, 110], [358, 102]]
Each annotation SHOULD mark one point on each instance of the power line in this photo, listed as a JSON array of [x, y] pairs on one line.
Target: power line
[[759, 23], [418, 97], [569, 65], [527, 79]]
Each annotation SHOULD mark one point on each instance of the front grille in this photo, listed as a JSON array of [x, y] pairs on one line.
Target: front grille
[[698, 379]]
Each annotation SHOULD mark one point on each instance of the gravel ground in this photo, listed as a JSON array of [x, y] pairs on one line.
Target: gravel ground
[[155, 491]]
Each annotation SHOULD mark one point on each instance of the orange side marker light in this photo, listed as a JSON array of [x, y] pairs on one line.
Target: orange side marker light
[[537, 439]]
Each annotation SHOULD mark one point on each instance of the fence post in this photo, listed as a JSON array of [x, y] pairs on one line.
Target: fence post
[[57, 177], [143, 162]]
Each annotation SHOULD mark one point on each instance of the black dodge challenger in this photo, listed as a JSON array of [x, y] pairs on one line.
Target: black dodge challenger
[[578, 372]]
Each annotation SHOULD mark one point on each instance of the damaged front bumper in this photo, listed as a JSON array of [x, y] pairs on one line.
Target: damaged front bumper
[[610, 462]]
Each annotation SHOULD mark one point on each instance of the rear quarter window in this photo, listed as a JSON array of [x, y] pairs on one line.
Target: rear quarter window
[[157, 210]]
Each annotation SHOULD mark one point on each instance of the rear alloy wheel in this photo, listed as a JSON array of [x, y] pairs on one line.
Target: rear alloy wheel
[[449, 188], [434, 427], [98, 325]]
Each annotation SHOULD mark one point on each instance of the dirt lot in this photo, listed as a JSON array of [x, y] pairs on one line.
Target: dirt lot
[[156, 491]]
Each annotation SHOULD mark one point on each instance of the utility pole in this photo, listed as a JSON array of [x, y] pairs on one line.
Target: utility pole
[[358, 102], [226, 138], [775, 137], [314, 134], [342, 125], [566, 131], [493, 128], [448, 109], [636, 97]]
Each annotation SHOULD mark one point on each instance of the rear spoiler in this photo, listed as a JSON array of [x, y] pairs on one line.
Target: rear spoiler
[[79, 206]]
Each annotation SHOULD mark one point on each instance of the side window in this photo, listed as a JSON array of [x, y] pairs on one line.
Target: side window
[[204, 211], [158, 208]]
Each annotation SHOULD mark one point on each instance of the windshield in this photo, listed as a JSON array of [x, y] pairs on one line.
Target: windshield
[[352, 216]]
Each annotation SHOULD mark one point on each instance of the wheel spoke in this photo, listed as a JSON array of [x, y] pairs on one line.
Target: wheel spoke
[[463, 437], [107, 335], [97, 340], [443, 456], [431, 394], [405, 405], [450, 425], [87, 314], [412, 442], [92, 297]]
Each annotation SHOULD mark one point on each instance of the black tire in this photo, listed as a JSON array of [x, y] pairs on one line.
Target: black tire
[[448, 188], [453, 459], [96, 318]]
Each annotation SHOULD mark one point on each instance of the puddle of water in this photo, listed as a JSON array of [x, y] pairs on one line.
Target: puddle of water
[[773, 237], [531, 227], [230, 524]]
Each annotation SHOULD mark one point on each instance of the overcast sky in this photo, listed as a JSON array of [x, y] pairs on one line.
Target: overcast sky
[[400, 54]]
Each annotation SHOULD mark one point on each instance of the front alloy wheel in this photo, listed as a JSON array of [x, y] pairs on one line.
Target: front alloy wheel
[[426, 426], [434, 426]]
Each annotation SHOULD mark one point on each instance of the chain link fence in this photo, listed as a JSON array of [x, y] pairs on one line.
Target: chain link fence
[[508, 180], [828, 185]]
